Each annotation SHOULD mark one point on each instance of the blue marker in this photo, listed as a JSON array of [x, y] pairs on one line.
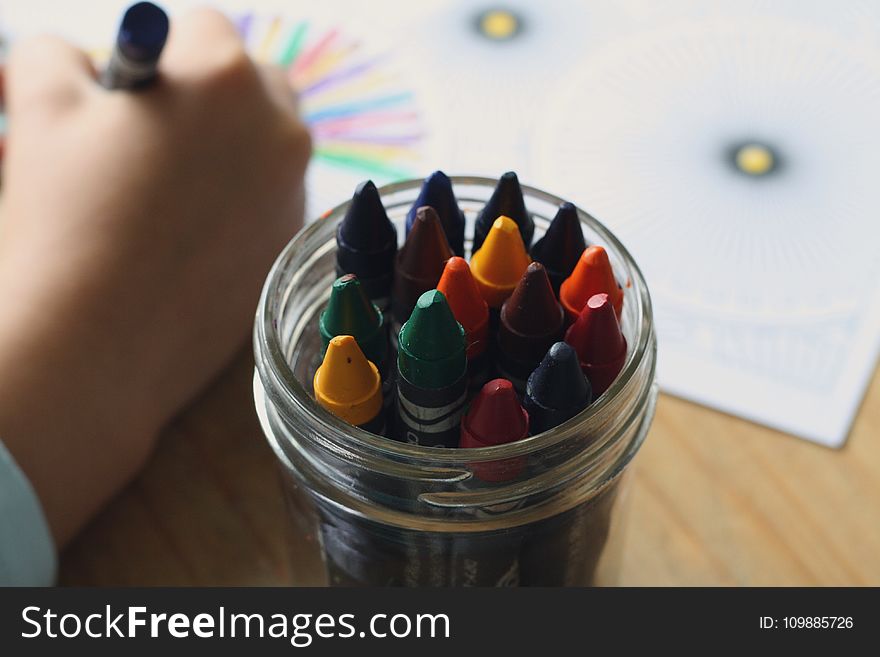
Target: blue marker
[[139, 43]]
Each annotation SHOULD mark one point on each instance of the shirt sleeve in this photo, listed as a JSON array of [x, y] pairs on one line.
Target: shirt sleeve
[[27, 552]]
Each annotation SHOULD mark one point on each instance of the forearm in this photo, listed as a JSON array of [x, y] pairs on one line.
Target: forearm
[[69, 429]]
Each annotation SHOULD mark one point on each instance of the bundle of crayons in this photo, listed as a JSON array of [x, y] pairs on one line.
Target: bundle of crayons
[[542, 317]]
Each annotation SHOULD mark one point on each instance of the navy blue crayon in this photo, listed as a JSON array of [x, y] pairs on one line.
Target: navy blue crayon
[[561, 246], [366, 244], [557, 390], [437, 193], [507, 200], [139, 43]]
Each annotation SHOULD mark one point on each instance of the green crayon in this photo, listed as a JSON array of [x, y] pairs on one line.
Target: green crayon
[[431, 374], [350, 312]]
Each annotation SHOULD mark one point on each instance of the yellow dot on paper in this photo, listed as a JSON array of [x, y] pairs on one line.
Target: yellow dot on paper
[[754, 159], [499, 24]]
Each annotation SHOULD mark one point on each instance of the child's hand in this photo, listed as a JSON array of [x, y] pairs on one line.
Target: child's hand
[[136, 231]]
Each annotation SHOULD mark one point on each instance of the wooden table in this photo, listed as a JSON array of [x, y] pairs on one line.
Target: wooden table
[[716, 501]]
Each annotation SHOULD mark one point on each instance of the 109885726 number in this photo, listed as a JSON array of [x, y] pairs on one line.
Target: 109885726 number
[[817, 622]]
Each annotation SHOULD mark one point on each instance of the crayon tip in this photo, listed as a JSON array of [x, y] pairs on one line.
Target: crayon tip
[[598, 341], [366, 226], [562, 245], [350, 312], [426, 250], [557, 390], [420, 262], [495, 417], [532, 308], [437, 193], [347, 384], [431, 345], [467, 304], [500, 263], [592, 275], [507, 199]]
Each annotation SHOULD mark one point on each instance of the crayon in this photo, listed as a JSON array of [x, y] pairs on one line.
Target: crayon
[[360, 552], [531, 321], [437, 193], [599, 342], [561, 246], [592, 275], [350, 312], [557, 390], [470, 310], [495, 417], [507, 200], [366, 243], [349, 386], [420, 263], [139, 42], [498, 266], [431, 374], [565, 549]]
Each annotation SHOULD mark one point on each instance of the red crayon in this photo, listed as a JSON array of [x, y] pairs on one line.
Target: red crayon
[[599, 342], [495, 417], [592, 275]]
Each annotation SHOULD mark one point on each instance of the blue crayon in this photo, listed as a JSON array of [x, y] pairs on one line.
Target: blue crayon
[[437, 193], [139, 43]]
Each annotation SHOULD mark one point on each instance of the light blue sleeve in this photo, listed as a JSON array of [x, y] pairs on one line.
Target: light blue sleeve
[[27, 552]]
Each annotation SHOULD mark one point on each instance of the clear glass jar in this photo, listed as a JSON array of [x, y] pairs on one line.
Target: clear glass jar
[[366, 510]]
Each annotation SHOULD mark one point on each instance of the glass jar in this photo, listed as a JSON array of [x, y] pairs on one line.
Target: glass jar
[[366, 510]]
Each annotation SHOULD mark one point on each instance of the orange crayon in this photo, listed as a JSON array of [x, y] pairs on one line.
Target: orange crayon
[[592, 275], [471, 311], [349, 386], [467, 304], [500, 262]]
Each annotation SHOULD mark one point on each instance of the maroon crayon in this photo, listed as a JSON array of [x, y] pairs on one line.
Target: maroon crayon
[[531, 321], [419, 264]]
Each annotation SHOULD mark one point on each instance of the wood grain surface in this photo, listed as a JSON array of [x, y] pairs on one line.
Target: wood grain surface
[[715, 501]]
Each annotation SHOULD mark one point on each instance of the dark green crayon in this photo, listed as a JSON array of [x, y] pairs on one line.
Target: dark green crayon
[[431, 374]]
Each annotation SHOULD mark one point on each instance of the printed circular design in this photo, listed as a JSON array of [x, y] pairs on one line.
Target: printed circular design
[[646, 136]]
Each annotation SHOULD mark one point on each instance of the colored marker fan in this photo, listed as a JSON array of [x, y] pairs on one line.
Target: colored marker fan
[[363, 118], [361, 111]]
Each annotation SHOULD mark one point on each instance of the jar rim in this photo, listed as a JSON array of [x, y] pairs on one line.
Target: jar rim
[[281, 386]]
